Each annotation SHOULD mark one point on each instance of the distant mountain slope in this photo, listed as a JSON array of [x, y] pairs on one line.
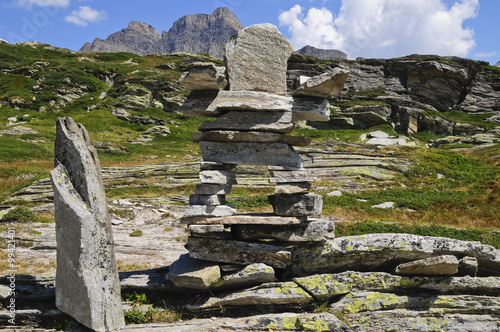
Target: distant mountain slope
[[322, 53], [139, 38], [497, 64], [200, 33]]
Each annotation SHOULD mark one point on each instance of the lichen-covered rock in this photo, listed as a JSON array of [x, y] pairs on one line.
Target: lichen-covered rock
[[326, 286], [383, 252], [250, 275], [285, 294]]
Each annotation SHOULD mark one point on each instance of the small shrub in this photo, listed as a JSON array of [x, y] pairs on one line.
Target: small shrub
[[136, 233], [19, 214]]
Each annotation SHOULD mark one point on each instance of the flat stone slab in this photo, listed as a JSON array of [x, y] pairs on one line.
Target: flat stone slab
[[246, 219], [210, 231], [292, 188], [192, 273], [257, 59], [325, 286], [287, 293], [196, 199], [213, 189], [251, 275], [208, 211], [439, 265], [386, 251], [217, 177], [325, 85], [297, 205], [250, 101], [290, 176], [274, 154], [238, 252], [277, 122], [314, 231], [251, 136]]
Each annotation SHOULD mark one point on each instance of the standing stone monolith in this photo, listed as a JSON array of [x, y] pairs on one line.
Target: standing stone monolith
[[87, 283], [257, 58]]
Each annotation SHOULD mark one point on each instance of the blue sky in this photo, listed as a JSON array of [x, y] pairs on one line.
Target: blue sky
[[367, 28]]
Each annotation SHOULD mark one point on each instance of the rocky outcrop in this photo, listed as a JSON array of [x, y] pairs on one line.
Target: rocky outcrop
[[201, 33], [409, 93], [497, 64], [139, 38], [322, 53]]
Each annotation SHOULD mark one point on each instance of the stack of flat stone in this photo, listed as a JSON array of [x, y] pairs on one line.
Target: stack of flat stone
[[254, 118]]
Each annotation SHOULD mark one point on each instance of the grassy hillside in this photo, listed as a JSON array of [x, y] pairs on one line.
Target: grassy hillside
[[39, 84]]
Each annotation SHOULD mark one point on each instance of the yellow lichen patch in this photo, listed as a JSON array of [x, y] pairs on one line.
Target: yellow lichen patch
[[314, 325]]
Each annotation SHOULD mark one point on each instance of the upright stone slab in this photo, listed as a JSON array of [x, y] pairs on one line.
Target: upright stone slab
[[256, 59], [88, 287]]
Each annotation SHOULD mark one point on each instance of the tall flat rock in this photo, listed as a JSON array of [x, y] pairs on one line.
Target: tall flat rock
[[88, 287], [201, 33], [139, 38], [256, 59]]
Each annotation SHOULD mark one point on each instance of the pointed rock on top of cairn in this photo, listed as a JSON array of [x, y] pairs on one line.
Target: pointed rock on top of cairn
[[88, 287], [256, 59]]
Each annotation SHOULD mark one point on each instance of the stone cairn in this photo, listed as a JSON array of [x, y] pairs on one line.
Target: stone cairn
[[253, 119]]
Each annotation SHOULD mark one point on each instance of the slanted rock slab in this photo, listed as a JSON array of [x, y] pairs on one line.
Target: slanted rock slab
[[192, 273], [325, 85], [446, 265]]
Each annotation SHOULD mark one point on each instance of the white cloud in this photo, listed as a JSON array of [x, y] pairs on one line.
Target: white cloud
[[485, 54], [385, 28], [86, 15], [42, 3]]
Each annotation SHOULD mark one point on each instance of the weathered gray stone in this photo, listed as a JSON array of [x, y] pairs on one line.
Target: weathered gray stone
[[386, 205], [446, 265], [314, 231], [278, 122], [238, 252], [195, 199], [326, 286], [256, 137], [204, 76], [251, 275], [212, 189], [468, 266], [325, 85], [192, 273], [287, 293], [210, 231], [292, 188], [213, 166], [256, 59], [290, 176], [277, 154], [87, 275], [217, 177], [250, 101], [208, 211], [310, 109], [297, 204], [386, 251], [246, 219]]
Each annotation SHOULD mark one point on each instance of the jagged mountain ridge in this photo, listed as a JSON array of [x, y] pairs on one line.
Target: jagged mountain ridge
[[200, 33], [497, 64], [139, 38]]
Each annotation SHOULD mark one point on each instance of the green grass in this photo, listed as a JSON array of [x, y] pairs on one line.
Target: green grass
[[344, 135], [463, 117], [12, 150]]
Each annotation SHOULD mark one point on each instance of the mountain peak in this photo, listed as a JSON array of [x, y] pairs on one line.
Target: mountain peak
[[200, 33], [497, 64]]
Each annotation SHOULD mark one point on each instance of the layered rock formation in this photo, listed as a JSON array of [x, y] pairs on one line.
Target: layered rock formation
[[200, 33], [409, 93], [322, 53], [139, 38]]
